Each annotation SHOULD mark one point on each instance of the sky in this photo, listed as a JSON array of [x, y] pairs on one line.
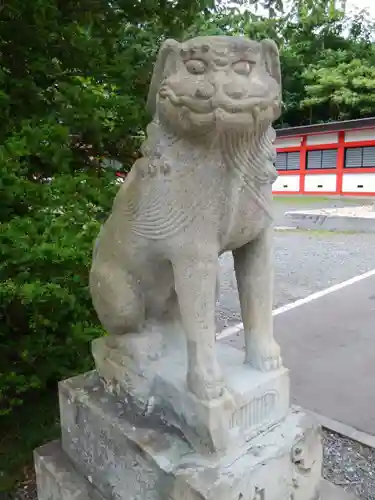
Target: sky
[[362, 4], [350, 5]]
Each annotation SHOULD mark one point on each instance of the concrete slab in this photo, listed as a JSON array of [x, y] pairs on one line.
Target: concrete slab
[[331, 492], [353, 219], [345, 430], [329, 346]]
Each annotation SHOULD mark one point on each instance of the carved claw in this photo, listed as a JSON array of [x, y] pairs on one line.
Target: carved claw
[[165, 168], [264, 355], [204, 386], [152, 169]]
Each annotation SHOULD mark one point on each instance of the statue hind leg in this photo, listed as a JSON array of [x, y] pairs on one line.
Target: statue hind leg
[[117, 299]]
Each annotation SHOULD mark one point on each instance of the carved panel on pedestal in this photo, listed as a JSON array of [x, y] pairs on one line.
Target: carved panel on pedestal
[[259, 494], [255, 412]]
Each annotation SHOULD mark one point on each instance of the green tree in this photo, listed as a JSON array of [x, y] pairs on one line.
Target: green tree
[[340, 87], [314, 41]]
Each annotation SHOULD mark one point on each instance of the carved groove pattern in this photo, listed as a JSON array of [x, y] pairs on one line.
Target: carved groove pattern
[[255, 412], [155, 212], [250, 156], [154, 219]]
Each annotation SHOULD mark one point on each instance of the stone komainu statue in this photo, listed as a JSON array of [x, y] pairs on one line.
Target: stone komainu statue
[[202, 187]]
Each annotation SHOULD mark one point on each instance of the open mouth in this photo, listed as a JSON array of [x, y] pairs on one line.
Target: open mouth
[[216, 105], [186, 102]]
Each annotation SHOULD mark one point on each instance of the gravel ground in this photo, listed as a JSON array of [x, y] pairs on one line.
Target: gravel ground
[[305, 262], [349, 465]]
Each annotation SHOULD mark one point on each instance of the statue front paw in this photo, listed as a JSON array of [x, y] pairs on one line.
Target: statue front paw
[[264, 355], [206, 384]]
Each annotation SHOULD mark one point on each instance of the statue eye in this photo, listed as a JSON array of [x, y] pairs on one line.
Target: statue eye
[[196, 66], [242, 67]]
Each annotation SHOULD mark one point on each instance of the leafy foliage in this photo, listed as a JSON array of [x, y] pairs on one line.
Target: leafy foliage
[[341, 87]]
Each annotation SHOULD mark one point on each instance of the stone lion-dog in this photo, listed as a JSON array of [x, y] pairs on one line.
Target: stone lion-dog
[[202, 187]]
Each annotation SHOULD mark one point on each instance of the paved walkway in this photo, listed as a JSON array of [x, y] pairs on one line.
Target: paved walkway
[[329, 346]]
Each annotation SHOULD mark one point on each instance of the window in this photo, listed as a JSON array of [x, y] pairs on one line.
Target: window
[[363, 157], [287, 161], [321, 159]]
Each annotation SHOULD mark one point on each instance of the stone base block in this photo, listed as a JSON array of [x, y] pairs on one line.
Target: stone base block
[[129, 457], [58, 480], [149, 370]]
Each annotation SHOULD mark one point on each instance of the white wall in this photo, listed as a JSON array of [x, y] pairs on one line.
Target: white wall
[[325, 183], [360, 135], [287, 183], [288, 142], [313, 140], [356, 183]]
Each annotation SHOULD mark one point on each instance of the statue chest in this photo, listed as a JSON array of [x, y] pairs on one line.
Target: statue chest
[[207, 202], [246, 214]]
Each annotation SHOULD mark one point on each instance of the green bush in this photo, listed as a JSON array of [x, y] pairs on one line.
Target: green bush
[[46, 315], [64, 108]]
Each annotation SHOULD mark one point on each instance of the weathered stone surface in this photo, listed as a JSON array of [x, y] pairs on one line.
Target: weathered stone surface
[[57, 479], [202, 187], [119, 451], [135, 457], [253, 399]]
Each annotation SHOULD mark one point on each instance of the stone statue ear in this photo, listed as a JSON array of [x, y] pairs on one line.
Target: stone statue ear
[[164, 65], [271, 59]]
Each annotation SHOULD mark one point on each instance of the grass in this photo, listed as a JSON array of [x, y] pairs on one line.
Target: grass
[[34, 424], [315, 232], [306, 199], [300, 199]]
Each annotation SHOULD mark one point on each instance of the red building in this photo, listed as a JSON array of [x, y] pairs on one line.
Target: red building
[[330, 158]]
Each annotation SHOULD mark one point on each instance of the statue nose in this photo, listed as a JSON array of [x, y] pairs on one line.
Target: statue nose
[[205, 91], [234, 93]]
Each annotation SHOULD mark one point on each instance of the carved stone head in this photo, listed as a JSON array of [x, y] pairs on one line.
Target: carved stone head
[[218, 82]]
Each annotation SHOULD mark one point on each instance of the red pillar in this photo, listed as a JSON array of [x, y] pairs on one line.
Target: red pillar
[[302, 164], [340, 162]]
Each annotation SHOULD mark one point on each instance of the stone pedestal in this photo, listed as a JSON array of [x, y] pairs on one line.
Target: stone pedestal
[[126, 440], [112, 455], [148, 371], [135, 433]]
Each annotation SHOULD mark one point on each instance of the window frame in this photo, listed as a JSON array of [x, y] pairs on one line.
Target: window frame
[[322, 151], [287, 153], [361, 166]]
